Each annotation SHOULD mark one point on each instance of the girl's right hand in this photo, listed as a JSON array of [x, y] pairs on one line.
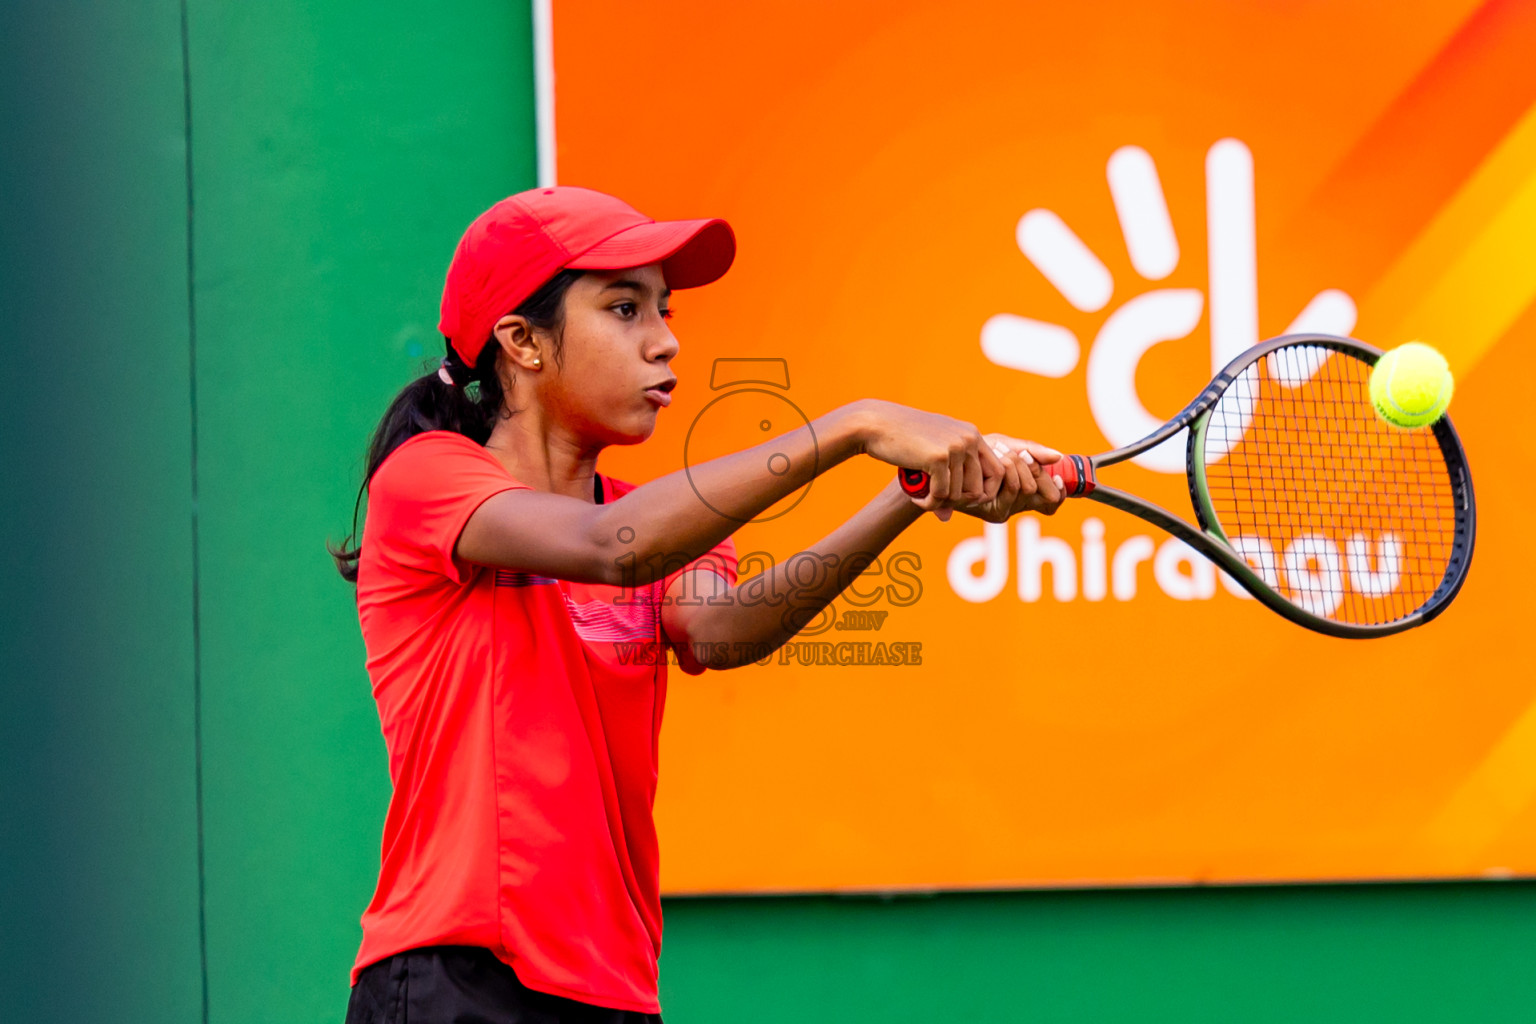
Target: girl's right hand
[[961, 466], [1028, 483]]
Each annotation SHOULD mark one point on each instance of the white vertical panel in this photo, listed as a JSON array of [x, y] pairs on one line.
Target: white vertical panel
[[544, 87]]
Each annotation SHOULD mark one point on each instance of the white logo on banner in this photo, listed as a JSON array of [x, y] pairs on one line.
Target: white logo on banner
[[1130, 329], [1163, 314]]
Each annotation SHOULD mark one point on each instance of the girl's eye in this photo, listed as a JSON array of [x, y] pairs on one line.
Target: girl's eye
[[630, 310]]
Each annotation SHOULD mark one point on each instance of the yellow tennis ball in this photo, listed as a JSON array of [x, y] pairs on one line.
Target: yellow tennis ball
[[1411, 385]]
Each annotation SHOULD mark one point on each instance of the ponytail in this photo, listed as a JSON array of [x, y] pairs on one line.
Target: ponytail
[[471, 405]]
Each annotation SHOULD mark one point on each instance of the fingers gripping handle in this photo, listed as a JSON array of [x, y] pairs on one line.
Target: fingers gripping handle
[[1076, 472]]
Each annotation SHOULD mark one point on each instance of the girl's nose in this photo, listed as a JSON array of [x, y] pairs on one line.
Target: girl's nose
[[664, 347]]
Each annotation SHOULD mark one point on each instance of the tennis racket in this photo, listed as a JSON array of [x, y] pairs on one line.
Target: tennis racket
[[1303, 495]]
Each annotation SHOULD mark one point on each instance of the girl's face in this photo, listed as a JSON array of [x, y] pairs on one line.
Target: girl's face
[[613, 378]]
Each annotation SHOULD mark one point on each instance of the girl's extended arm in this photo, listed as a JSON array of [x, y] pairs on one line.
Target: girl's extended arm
[[635, 539], [718, 626]]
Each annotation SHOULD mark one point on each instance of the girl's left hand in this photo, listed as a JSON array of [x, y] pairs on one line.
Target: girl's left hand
[[1027, 482]]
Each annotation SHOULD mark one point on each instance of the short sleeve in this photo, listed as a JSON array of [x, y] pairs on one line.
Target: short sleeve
[[422, 496], [720, 560]]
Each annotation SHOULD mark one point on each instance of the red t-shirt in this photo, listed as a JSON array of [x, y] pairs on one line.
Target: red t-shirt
[[521, 714]]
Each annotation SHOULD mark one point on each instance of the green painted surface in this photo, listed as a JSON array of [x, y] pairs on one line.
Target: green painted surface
[[1393, 954], [339, 150], [98, 824]]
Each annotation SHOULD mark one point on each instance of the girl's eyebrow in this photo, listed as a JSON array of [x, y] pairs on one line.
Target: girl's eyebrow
[[666, 293]]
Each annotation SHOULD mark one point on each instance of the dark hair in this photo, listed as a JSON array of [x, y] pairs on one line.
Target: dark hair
[[471, 406]]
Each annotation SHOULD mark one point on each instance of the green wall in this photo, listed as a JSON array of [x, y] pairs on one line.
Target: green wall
[[98, 816], [192, 783], [339, 149], [178, 455]]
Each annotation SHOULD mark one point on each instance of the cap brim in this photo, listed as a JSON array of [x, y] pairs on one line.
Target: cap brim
[[691, 252]]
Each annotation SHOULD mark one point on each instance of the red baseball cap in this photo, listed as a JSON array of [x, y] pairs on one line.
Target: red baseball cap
[[520, 243]]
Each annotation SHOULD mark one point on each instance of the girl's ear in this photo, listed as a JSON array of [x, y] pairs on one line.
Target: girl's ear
[[520, 342]]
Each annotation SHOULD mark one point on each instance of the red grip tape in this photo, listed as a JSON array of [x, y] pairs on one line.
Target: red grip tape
[[914, 482], [1076, 472]]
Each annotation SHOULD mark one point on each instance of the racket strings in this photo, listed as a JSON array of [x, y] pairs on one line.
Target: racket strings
[[1346, 516]]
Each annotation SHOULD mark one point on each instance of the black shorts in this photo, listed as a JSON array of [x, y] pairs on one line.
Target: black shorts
[[464, 985]]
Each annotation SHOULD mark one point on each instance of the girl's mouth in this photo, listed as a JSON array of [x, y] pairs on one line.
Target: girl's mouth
[[661, 393]]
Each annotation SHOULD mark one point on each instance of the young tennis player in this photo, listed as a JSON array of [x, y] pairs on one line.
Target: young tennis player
[[500, 578]]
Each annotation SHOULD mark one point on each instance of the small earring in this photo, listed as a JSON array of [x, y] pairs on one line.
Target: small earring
[[538, 363]]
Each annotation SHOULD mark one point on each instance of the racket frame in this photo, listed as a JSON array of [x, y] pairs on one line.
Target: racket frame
[[1210, 540]]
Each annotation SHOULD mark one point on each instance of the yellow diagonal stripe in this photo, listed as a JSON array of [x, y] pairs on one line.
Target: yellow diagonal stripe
[[1459, 286], [1467, 277], [1486, 803]]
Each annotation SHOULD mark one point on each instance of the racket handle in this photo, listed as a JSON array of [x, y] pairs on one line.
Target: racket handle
[[914, 482], [1076, 472]]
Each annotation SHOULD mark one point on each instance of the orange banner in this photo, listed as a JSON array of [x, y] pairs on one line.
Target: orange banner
[[1056, 221]]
